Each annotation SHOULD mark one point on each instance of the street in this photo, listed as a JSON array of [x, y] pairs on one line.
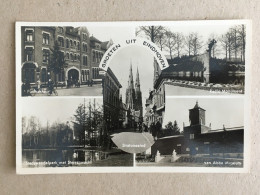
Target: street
[[83, 90]]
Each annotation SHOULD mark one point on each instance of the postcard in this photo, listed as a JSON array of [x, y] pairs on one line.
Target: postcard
[[163, 96]]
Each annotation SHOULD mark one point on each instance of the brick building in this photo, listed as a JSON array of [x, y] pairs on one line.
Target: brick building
[[198, 138], [82, 54]]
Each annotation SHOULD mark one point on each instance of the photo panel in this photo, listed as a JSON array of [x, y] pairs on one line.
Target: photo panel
[[198, 132], [67, 132], [132, 96]]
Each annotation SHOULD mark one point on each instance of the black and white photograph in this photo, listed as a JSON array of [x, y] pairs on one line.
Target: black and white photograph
[[67, 133], [131, 96], [203, 59], [64, 60], [204, 132]]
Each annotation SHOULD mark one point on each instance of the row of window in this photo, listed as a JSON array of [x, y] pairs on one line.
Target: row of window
[[96, 56]]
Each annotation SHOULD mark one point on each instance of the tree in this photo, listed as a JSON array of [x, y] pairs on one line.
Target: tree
[[57, 61], [172, 129], [188, 43], [80, 123], [242, 39], [179, 40], [176, 129], [196, 44], [170, 42], [152, 32]]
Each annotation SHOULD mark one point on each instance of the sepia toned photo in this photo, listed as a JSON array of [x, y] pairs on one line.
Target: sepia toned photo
[[203, 60], [67, 133], [192, 135], [63, 60], [133, 97]]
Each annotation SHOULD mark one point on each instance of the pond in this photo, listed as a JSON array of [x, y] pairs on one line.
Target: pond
[[60, 157]]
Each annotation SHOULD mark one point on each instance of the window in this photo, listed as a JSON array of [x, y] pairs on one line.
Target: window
[[44, 75], [46, 56], [29, 35], [191, 136], [75, 43], [60, 29], [85, 47], [85, 60], [45, 38], [75, 56], [71, 43], [29, 54], [93, 57], [71, 57], [67, 43], [78, 46], [61, 42], [68, 56]]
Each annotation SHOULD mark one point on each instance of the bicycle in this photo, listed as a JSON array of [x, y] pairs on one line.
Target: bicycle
[[53, 91]]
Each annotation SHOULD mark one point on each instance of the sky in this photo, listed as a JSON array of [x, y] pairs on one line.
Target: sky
[[139, 57], [219, 111], [53, 109], [204, 31], [116, 33]]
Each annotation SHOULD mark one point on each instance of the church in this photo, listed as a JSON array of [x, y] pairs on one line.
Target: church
[[133, 101]]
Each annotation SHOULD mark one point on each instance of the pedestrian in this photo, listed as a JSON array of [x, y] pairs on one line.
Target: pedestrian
[[23, 89], [38, 85], [153, 130], [50, 86], [27, 87], [158, 128]]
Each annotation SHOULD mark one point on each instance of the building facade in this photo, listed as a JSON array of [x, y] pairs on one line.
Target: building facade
[[198, 138], [82, 54]]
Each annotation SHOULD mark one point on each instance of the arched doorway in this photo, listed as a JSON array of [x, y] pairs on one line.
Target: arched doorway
[[73, 75], [29, 72]]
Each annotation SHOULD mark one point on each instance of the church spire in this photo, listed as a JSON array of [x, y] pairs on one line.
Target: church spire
[[131, 80], [137, 81]]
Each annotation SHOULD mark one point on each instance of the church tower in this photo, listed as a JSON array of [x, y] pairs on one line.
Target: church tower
[[138, 93], [130, 91], [197, 115]]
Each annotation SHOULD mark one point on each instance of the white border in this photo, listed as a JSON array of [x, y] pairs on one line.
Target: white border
[[61, 170]]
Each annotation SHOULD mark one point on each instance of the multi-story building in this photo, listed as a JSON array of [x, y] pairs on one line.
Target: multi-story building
[[112, 102], [82, 54]]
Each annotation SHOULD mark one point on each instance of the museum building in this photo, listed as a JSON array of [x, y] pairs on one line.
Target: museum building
[[198, 138]]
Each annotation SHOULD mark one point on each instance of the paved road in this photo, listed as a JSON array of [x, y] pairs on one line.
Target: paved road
[[84, 90], [172, 90]]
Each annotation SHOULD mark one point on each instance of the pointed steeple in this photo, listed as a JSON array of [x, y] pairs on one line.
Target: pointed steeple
[[137, 81], [131, 80], [196, 105]]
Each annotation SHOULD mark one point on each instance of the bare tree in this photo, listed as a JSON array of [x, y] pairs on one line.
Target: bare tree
[[227, 44], [242, 39], [170, 42], [179, 39], [196, 43], [188, 43], [152, 32], [162, 40]]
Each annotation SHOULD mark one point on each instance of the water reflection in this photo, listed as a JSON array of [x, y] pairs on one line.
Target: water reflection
[[60, 158]]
